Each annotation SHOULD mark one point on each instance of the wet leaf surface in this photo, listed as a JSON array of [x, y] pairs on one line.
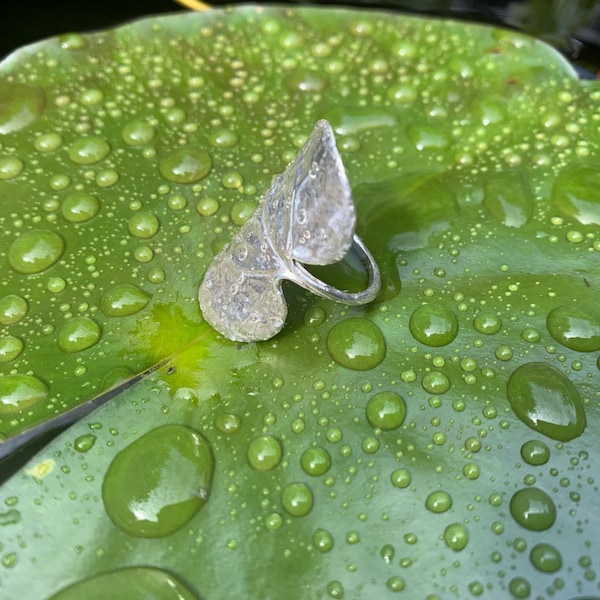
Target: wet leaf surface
[[440, 441]]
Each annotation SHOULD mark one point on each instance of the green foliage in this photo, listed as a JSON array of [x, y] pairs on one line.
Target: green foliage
[[440, 441]]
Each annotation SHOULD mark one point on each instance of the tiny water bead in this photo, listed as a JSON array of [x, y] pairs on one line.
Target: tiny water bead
[[575, 327], [356, 343], [535, 452], [386, 410], [546, 558], [143, 225], [13, 309], [438, 502], [20, 106], [10, 348], [133, 583], [487, 323], [35, 251], [456, 536], [547, 401], [20, 392], [264, 453], [433, 325], [158, 483], [297, 499], [186, 165], [89, 150], [124, 300], [315, 461], [80, 207], [322, 540], [79, 333], [532, 508]]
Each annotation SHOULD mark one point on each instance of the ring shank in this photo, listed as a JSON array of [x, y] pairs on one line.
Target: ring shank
[[299, 275]]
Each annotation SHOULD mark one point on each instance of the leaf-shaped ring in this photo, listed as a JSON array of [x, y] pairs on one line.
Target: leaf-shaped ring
[[307, 216]]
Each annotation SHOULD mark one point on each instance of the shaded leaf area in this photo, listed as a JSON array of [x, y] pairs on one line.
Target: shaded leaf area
[[440, 441]]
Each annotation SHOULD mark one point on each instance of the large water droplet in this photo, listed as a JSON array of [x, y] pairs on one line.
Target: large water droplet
[[13, 309], [433, 325], [80, 207], [79, 333], [438, 502], [576, 192], [386, 410], [356, 343], [10, 348], [138, 133], [131, 583], [297, 499], [143, 225], [264, 453], [124, 300], [545, 400], [35, 251], [89, 150], [20, 105], [186, 165], [20, 392], [575, 328], [545, 558], [315, 461], [456, 536], [508, 199], [533, 509], [156, 485], [535, 452]]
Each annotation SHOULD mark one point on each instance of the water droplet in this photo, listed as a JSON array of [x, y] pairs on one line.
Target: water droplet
[[519, 587], [223, 138], [124, 300], [508, 199], [351, 120], [395, 584], [186, 165], [335, 589], [48, 142], [138, 133], [386, 410], [20, 105], [228, 423], [545, 400], [79, 333], [85, 442], [575, 328], [12, 309], [401, 478], [297, 499], [438, 502], [242, 211], [35, 251], [80, 207], [576, 192], [456, 536], [20, 392], [129, 582], [10, 167], [315, 461], [10, 348], [533, 509], [427, 137], [433, 325], [356, 343], [322, 540], [264, 453], [535, 452], [487, 323], [545, 558], [89, 150], [207, 207], [273, 521], [435, 382], [158, 483], [143, 225]]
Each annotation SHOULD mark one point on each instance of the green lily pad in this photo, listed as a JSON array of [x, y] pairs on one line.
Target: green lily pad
[[439, 442]]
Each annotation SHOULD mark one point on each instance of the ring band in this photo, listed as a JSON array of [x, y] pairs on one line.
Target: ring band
[[306, 217], [308, 281]]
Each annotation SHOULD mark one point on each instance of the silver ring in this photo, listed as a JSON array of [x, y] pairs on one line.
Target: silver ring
[[308, 281], [306, 217]]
